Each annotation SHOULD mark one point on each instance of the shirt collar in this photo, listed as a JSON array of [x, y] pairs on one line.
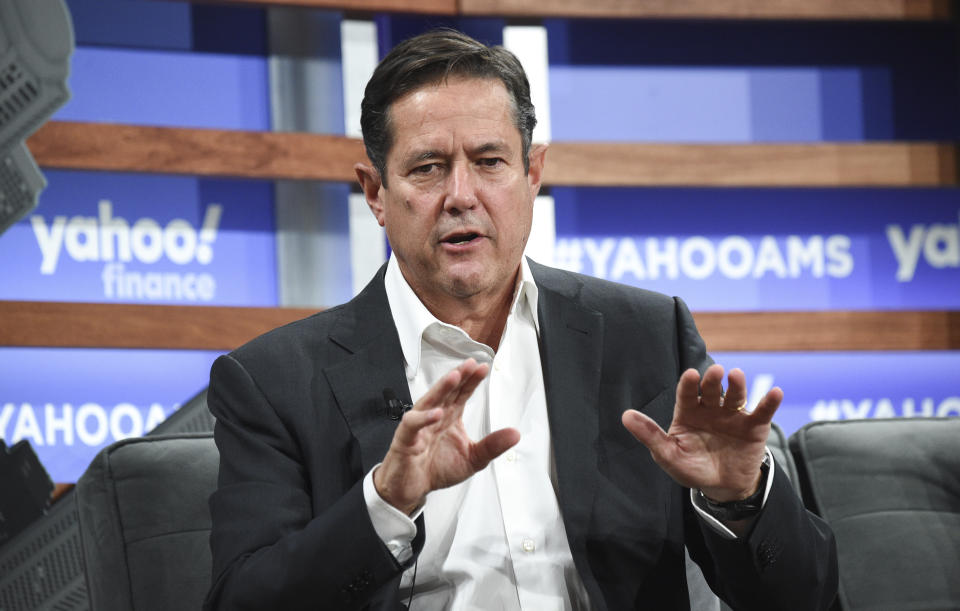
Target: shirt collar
[[412, 318]]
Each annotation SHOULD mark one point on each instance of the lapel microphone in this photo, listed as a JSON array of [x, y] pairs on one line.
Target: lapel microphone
[[395, 407]]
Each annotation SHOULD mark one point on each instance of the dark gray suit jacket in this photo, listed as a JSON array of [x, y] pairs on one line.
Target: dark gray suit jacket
[[301, 419]]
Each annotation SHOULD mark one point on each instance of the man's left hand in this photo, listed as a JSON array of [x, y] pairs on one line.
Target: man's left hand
[[713, 444]]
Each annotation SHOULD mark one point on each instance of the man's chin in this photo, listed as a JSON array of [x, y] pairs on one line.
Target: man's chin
[[465, 286], [465, 282], [468, 278]]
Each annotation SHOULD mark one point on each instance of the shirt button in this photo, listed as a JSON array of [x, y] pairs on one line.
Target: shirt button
[[511, 456], [496, 366], [528, 545]]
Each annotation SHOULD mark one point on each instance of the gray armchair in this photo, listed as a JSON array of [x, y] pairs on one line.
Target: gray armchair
[[890, 490], [145, 523]]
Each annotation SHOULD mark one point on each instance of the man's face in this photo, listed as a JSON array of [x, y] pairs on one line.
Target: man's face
[[459, 204]]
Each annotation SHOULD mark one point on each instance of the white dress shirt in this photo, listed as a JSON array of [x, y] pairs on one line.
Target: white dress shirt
[[496, 540]]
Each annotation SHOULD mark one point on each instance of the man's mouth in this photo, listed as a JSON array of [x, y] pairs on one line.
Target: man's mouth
[[461, 238]]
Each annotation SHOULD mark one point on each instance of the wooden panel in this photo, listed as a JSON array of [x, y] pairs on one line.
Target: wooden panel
[[208, 152], [432, 7], [223, 328], [812, 331], [679, 9], [59, 490], [85, 325], [760, 165], [714, 9], [201, 152]]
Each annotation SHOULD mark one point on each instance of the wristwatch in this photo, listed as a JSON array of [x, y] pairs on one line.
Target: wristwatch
[[731, 511]]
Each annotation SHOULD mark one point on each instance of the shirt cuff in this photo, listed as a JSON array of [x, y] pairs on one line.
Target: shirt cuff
[[395, 529], [717, 525]]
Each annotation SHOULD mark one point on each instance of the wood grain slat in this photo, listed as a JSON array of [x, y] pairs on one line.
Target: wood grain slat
[[714, 9], [830, 331], [880, 164], [430, 7], [86, 325], [200, 152], [59, 490], [101, 325], [275, 155], [673, 9]]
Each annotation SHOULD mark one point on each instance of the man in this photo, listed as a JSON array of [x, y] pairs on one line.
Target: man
[[515, 480]]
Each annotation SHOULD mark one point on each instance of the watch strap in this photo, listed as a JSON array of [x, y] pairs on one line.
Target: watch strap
[[731, 511]]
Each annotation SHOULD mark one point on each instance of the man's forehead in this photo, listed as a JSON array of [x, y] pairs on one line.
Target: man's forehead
[[472, 113]]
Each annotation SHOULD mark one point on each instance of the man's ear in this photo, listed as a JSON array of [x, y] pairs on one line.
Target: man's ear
[[370, 184], [538, 154]]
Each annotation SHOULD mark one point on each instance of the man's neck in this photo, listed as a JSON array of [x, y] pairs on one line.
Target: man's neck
[[482, 316]]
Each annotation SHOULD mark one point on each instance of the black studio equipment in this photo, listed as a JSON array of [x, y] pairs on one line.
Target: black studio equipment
[[36, 42], [26, 488], [43, 568], [40, 559]]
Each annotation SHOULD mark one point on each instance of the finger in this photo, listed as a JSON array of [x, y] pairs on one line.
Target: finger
[[438, 393], [768, 405], [493, 445], [711, 386], [647, 432], [472, 378], [413, 422], [736, 396], [688, 389], [467, 367]]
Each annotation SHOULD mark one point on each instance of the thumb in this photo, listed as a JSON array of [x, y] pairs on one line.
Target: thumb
[[646, 431], [493, 445]]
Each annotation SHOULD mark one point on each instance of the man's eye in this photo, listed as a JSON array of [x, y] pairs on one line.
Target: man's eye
[[426, 168], [491, 162]]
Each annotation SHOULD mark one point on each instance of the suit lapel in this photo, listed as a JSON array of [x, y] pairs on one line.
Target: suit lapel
[[571, 352], [374, 361]]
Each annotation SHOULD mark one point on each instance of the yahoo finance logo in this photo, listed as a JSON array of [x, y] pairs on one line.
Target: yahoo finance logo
[[125, 247]]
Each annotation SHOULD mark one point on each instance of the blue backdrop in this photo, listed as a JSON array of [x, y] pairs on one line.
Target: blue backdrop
[[69, 403], [132, 238], [769, 249]]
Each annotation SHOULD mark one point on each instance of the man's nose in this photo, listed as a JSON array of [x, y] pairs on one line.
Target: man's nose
[[461, 188]]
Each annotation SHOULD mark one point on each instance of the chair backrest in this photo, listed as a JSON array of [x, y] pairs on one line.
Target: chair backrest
[[145, 523], [192, 417], [890, 490]]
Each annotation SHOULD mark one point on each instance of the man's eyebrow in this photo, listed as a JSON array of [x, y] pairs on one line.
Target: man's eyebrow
[[415, 157], [491, 147]]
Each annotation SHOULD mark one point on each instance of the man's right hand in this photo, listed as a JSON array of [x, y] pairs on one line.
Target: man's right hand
[[431, 449]]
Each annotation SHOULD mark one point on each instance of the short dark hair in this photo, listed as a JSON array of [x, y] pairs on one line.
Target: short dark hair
[[432, 58]]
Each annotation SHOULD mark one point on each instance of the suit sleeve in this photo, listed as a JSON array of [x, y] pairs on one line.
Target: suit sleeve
[[788, 560], [280, 541]]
